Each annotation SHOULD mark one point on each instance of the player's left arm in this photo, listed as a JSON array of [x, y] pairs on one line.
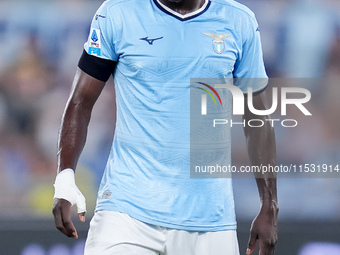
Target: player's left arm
[[261, 150]]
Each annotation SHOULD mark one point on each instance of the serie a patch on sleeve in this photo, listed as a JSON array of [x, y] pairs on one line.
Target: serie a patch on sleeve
[[95, 42]]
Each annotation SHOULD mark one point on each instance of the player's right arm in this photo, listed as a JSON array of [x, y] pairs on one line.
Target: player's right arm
[[85, 91], [96, 65]]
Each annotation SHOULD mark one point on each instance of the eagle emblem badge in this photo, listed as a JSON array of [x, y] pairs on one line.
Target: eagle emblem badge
[[218, 43]]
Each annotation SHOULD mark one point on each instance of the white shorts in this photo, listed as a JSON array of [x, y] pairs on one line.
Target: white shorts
[[114, 233]]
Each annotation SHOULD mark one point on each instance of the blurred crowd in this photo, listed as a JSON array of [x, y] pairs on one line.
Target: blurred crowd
[[41, 44]]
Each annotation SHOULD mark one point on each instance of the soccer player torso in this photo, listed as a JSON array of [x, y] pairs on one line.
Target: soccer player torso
[[148, 171]]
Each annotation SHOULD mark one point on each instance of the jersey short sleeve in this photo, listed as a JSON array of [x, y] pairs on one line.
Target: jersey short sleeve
[[102, 37], [249, 67]]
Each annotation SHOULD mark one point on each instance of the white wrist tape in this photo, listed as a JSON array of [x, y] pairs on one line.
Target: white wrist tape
[[66, 188]]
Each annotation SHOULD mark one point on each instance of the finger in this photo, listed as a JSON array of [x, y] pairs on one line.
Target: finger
[[251, 243], [266, 248], [69, 229], [81, 216], [57, 216], [249, 251]]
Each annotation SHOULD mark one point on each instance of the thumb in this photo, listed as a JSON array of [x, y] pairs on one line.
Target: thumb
[[81, 205], [81, 216], [251, 243]]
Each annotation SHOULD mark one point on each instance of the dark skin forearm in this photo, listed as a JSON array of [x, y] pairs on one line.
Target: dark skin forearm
[[261, 150], [72, 137], [76, 119]]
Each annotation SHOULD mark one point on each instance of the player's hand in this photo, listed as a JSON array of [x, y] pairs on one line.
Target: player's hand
[[264, 229], [66, 195]]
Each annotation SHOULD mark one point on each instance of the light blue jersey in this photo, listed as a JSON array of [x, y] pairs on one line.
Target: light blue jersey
[[147, 174]]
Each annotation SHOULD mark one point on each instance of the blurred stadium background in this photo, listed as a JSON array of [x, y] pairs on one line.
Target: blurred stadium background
[[41, 43]]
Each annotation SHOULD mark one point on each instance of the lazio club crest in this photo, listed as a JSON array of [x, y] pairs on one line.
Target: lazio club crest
[[218, 43]]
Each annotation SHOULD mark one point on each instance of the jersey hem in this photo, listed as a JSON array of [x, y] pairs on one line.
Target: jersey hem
[[232, 226]]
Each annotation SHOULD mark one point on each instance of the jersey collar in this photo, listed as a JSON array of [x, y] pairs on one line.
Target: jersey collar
[[179, 16]]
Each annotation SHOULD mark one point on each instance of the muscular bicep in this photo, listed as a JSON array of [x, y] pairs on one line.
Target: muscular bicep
[[260, 139], [259, 102], [85, 89]]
